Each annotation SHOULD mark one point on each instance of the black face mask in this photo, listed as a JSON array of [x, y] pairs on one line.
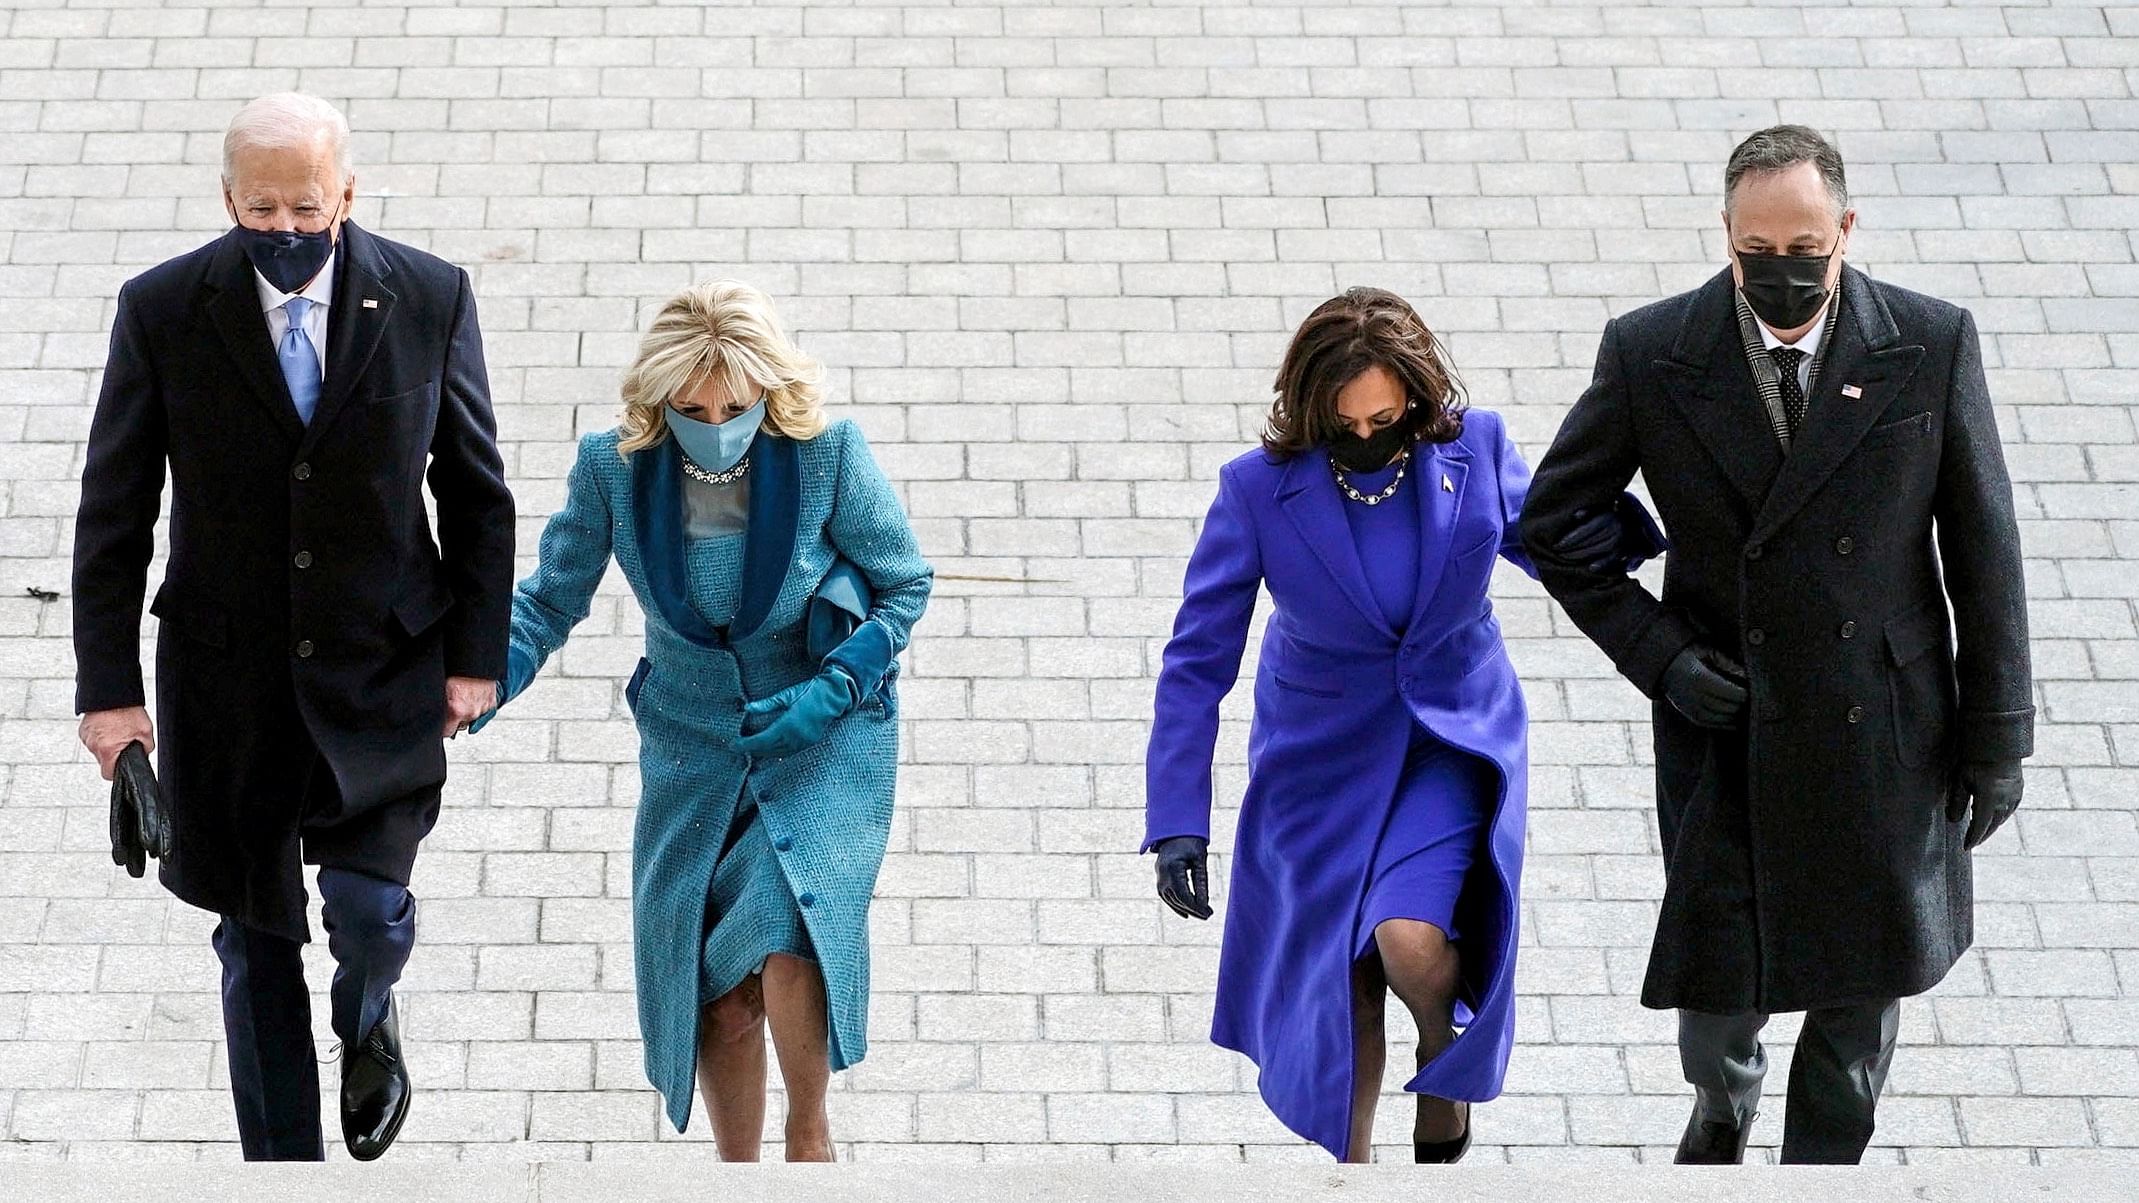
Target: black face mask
[[1784, 290], [287, 258], [1370, 454]]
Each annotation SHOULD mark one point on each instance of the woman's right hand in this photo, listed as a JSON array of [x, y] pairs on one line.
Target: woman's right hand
[[1184, 875]]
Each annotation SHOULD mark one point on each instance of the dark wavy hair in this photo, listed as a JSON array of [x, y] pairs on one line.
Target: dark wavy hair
[[1343, 337]]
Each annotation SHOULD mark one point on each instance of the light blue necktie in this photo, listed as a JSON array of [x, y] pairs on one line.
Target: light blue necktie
[[299, 359]]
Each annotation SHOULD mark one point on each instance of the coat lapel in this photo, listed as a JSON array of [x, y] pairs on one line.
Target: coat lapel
[[1310, 499], [1869, 356], [657, 524], [355, 323], [1707, 378], [233, 304], [1439, 510], [769, 542]]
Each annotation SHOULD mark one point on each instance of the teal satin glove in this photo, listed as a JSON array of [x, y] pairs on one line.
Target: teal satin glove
[[805, 714]]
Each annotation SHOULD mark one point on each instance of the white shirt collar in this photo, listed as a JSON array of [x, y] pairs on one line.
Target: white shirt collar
[[1808, 342], [320, 291]]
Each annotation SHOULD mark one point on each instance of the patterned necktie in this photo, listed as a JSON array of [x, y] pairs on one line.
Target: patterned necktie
[[1793, 393], [299, 359]]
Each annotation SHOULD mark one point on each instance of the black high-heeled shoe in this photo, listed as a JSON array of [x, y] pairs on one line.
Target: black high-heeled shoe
[[1443, 1152]]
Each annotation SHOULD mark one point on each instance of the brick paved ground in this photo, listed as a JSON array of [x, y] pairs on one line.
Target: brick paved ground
[[1052, 252]]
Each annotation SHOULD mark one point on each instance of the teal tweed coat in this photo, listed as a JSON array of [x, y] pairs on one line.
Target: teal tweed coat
[[827, 808]]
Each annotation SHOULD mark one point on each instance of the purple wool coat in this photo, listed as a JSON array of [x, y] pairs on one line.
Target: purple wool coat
[[1336, 693]]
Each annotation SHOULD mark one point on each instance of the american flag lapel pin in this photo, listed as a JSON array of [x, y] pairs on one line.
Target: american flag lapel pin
[[1852, 392], [369, 303], [1447, 485]]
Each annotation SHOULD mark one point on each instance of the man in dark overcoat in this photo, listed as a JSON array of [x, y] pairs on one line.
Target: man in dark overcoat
[[1821, 449], [299, 377]]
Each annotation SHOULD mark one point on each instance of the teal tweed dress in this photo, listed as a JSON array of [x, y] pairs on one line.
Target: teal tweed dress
[[734, 858]]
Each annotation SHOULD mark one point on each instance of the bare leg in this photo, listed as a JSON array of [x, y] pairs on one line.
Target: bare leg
[[794, 1003], [1369, 1051], [731, 1069], [1423, 969]]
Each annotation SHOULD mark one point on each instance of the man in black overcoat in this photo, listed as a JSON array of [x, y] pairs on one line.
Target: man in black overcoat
[[300, 377], [1821, 449]]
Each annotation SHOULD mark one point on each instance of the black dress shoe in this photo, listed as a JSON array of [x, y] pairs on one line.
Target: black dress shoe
[[375, 1088], [1443, 1152], [1714, 1141]]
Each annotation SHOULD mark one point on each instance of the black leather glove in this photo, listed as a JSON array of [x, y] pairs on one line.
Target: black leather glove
[[1593, 543], [1618, 540], [1707, 687], [139, 827], [1184, 875], [1995, 786]]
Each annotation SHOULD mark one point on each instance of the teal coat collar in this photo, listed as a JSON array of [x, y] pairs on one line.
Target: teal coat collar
[[768, 547]]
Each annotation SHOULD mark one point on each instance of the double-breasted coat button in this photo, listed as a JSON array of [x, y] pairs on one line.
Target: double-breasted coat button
[[302, 471], [1849, 630], [304, 649], [1855, 715], [1756, 636], [783, 844], [302, 559], [807, 900], [1754, 551], [1844, 545]]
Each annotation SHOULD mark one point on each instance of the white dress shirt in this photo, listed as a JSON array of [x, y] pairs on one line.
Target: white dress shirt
[[320, 292], [1808, 342]]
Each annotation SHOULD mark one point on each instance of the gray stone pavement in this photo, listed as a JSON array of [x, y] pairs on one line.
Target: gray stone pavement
[[1052, 252]]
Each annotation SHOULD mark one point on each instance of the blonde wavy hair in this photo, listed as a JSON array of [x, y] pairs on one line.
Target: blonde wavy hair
[[728, 327]]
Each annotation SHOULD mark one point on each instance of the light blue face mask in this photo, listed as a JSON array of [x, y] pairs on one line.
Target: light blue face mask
[[716, 447]]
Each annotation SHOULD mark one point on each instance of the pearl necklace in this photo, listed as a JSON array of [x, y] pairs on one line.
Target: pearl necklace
[[692, 469], [1403, 463]]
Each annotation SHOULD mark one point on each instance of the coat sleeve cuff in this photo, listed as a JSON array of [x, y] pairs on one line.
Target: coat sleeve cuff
[[1990, 737], [1645, 657], [482, 656]]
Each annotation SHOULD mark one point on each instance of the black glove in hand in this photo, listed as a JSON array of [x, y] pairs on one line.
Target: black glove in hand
[[1593, 543], [1184, 875], [1995, 787], [1707, 687], [139, 827]]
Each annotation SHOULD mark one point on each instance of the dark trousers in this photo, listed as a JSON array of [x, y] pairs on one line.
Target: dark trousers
[[267, 1008], [1835, 1077]]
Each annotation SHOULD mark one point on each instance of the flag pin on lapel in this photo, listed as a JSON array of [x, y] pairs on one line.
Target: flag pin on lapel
[[1852, 392], [370, 303], [1447, 485]]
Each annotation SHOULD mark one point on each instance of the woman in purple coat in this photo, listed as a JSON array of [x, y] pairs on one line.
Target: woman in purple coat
[[1380, 842]]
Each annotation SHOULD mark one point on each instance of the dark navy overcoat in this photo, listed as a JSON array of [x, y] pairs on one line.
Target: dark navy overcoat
[[1337, 691]]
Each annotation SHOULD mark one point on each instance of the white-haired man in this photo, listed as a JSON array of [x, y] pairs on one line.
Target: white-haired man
[[316, 643]]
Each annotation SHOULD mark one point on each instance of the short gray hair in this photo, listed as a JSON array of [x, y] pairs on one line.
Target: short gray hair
[[1780, 147], [286, 119]]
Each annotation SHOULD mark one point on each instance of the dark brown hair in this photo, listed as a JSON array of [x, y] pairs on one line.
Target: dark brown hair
[[1343, 337]]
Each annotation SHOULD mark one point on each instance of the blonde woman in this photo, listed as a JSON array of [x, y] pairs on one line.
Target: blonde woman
[[779, 580]]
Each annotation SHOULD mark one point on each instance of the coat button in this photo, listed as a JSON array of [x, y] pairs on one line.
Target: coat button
[[302, 559], [1756, 636], [304, 649], [1849, 630], [784, 843], [1855, 715], [1844, 545], [302, 471], [807, 900], [1754, 551]]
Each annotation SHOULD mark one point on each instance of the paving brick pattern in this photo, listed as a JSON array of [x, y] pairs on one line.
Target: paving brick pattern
[[1052, 252]]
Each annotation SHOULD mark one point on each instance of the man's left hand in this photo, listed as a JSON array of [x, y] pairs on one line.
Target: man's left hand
[[1995, 787], [467, 699]]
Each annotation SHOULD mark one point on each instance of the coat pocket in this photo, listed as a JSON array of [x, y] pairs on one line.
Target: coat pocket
[[190, 617], [419, 609], [637, 683], [1309, 686], [1920, 685], [1910, 431]]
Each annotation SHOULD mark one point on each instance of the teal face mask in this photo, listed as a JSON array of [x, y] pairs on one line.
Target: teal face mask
[[716, 447]]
